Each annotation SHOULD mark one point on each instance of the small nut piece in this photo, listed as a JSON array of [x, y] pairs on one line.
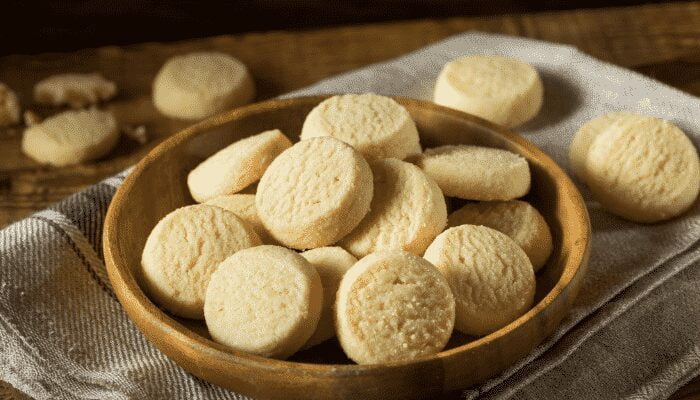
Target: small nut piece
[[137, 133]]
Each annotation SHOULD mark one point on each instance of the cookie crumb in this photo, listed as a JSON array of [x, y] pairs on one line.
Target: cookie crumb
[[31, 118], [137, 133]]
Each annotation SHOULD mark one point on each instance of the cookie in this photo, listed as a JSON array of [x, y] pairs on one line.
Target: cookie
[[314, 193], [407, 212], [236, 166], [475, 172], [265, 300], [376, 126], [71, 137], [9, 106], [331, 264], [393, 306], [646, 171], [502, 90], [243, 205], [490, 275], [578, 150], [183, 250], [517, 219], [74, 90], [199, 85]]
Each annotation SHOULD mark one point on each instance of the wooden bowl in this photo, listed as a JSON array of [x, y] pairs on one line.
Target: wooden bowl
[[157, 186]]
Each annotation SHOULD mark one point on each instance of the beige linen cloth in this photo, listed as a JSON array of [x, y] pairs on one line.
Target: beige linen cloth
[[633, 333]]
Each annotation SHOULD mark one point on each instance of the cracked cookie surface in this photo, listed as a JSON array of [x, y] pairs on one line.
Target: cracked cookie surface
[[490, 275], [183, 250]]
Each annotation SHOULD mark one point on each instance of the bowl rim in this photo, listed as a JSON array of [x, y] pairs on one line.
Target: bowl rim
[[127, 289]]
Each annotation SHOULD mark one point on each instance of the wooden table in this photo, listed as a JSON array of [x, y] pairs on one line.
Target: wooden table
[[662, 41]]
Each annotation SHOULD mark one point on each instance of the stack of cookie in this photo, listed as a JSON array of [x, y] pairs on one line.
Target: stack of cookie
[[346, 233], [343, 234]]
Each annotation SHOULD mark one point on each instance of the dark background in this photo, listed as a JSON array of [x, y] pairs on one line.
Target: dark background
[[40, 26]]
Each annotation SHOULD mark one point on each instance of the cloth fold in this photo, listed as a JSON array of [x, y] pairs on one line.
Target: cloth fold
[[632, 333]]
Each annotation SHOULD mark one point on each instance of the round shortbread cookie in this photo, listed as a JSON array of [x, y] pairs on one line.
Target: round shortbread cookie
[[490, 275], [646, 171], [376, 126], [475, 172], [9, 106], [198, 85], [331, 263], [393, 306], [500, 89], [243, 205], [236, 166], [75, 90], [71, 137], [517, 219], [265, 300], [183, 250], [578, 151], [314, 193], [407, 212]]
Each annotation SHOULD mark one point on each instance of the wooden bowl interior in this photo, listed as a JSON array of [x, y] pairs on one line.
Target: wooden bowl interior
[[158, 186]]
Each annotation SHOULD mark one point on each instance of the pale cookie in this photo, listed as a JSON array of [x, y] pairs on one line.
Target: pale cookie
[[74, 90], [578, 151], [236, 166], [647, 171], [198, 85], [517, 219], [331, 263], [243, 205], [407, 212], [490, 275], [265, 300], [314, 193], [376, 126], [475, 172], [71, 137], [183, 250], [500, 89], [393, 306], [9, 106]]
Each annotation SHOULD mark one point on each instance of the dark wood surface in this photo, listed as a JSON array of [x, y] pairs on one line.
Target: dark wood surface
[[660, 40], [70, 25]]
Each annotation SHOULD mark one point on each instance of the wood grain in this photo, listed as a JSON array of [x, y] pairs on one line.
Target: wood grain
[[661, 40]]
